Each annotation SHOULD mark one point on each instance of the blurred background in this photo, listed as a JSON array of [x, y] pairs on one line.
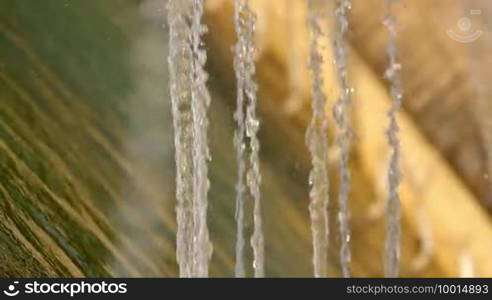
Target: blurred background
[[87, 185]]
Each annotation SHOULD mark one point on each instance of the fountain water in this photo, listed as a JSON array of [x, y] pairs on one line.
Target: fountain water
[[341, 114], [317, 142], [392, 74], [240, 144], [249, 177], [189, 106], [190, 102], [201, 152]]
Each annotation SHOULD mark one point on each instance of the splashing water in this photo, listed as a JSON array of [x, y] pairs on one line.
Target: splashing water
[[392, 74], [247, 129], [341, 114], [189, 107], [317, 142]]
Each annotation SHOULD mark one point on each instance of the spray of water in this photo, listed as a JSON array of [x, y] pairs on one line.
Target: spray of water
[[249, 177], [392, 74], [341, 114], [190, 101], [317, 142]]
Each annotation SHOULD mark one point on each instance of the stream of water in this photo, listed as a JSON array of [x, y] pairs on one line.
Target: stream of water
[[392, 74], [317, 142], [190, 102], [246, 140], [341, 114]]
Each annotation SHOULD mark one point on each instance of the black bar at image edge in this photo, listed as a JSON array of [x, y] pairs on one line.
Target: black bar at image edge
[[129, 288], [172, 288]]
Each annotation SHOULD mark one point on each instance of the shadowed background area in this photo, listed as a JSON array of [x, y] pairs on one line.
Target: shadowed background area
[[87, 185]]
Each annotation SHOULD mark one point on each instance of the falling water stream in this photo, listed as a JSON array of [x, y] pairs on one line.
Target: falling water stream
[[317, 142], [79, 196], [249, 177], [240, 145], [201, 152], [190, 101], [180, 57], [392, 74], [341, 114]]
